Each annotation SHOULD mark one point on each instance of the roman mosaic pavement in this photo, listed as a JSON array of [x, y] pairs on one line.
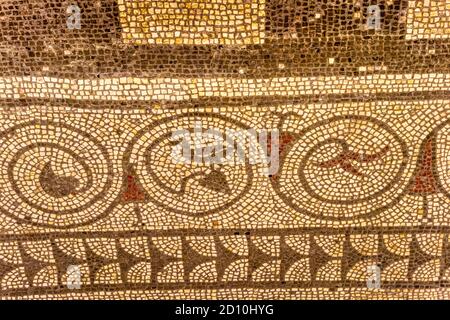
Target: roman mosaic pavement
[[92, 205]]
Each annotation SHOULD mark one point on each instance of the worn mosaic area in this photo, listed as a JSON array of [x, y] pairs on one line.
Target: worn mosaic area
[[93, 205]]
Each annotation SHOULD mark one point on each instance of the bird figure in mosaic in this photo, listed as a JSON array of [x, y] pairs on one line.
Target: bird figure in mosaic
[[55, 185]]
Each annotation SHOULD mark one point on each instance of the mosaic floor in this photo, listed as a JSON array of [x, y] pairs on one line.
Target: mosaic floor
[[93, 205]]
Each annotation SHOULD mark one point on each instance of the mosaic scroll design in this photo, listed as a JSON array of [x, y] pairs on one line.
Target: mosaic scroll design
[[364, 180], [342, 168]]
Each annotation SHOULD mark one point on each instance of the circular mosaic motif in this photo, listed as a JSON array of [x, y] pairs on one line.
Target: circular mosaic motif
[[343, 168], [191, 186], [53, 175]]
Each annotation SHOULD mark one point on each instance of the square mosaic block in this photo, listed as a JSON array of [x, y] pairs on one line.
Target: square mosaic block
[[428, 19], [193, 22]]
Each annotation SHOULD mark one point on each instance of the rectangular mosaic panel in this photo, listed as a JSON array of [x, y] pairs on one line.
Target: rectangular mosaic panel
[[192, 22], [345, 195]]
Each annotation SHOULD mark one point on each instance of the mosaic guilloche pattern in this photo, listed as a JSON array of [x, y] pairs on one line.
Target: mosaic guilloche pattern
[[237, 149]]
